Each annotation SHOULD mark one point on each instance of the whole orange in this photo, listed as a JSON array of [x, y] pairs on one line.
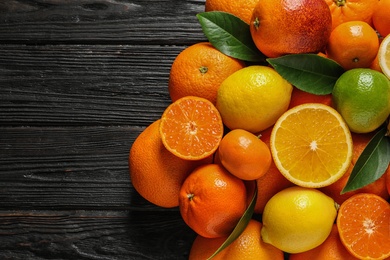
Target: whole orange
[[381, 17], [353, 44], [290, 26], [199, 70], [241, 8], [156, 173], [212, 201], [244, 155], [378, 187], [388, 182], [248, 246], [299, 97], [331, 248], [351, 10]]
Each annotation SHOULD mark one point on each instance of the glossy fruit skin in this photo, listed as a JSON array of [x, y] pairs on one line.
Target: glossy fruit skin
[[290, 26], [244, 155], [362, 97], [353, 44], [199, 70], [241, 8], [381, 17], [211, 201], [253, 98], [298, 219], [156, 173]]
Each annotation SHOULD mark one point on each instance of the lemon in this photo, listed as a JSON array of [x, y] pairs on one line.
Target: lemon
[[298, 219], [253, 98], [362, 97], [384, 56]]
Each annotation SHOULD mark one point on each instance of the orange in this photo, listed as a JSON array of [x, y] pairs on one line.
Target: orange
[[363, 222], [375, 64], [191, 128], [156, 173], [384, 56], [299, 97], [244, 155], [212, 201], [286, 27], [381, 17], [247, 246], [351, 10], [378, 187], [199, 70], [330, 249], [353, 44], [388, 181], [271, 182], [311, 145], [241, 8]]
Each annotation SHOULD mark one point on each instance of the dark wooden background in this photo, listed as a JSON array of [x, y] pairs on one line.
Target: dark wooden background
[[79, 80]]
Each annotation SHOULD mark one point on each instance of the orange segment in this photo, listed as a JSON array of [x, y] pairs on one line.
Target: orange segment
[[311, 145], [191, 128], [363, 222]]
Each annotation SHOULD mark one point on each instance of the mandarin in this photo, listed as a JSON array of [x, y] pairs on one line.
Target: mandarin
[[378, 187], [381, 17], [241, 8], [330, 249], [299, 97], [156, 173], [353, 44], [199, 70], [290, 26], [212, 201], [363, 223], [247, 246], [244, 155], [351, 10]]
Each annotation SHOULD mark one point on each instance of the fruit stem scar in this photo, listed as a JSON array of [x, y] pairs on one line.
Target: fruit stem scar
[[256, 23], [339, 2], [355, 59], [203, 70], [190, 196]]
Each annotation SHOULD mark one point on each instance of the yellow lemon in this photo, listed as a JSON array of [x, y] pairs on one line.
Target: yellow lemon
[[253, 98], [384, 56], [298, 219]]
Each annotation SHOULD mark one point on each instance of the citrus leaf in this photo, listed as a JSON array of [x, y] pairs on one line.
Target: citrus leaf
[[308, 72], [230, 35], [371, 164], [241, 225]]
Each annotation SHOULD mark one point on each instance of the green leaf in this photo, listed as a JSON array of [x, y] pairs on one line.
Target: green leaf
[[308, 72], [371, 164], [241, 225], [230, 35]]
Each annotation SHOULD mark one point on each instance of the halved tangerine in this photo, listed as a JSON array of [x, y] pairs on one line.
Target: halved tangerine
[[191, 128], [311, 145], [363, 222]]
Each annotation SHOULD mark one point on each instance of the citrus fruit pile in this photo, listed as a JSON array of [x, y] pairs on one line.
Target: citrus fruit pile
[[260, 168]]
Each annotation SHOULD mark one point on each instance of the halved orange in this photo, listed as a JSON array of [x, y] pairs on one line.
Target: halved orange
[[311, 145], [384, 56], [363, 222], [191, 128]]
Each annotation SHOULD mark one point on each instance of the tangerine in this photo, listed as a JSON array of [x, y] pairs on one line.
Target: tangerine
[[241, 8], [155, 173], [381, 17], [290, 26], [299, 97], [199, 70], [212, 201]]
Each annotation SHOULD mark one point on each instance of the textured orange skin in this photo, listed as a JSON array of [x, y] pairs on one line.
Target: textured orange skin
[[248, 246], [351, 10], [156, 173], [244, 155], [212, 201], [241, 8], [378, 187], [299, 97], [330, 249], [286, 27], [381, 17], [186, 78], [353, 44]]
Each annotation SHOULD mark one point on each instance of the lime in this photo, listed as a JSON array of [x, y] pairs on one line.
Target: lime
[[298, 219], [362, 97], [253, 98]]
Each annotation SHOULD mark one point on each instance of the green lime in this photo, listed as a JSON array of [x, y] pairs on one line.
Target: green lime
[[362, 97]]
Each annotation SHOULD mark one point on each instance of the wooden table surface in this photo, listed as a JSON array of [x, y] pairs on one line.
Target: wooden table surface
[[79, 80]]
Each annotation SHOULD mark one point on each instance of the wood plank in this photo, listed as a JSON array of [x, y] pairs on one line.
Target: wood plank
[[104, 21], [93, 235], [84, 84]]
